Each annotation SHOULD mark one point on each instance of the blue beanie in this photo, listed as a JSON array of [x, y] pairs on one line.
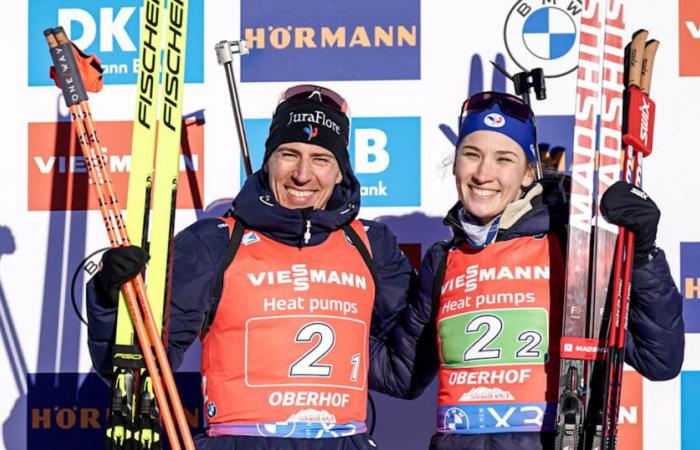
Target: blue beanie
[[493, 119]]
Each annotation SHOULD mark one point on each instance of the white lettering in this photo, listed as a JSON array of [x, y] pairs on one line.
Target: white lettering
[[628, 415], [256, 280], [309, 398], [115, 28], [502, 421], [66, 17], [693, 28], [371, 155]]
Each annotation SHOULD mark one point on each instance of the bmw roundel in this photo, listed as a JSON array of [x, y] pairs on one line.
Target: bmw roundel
[[276, 429], [456, 420], [543, 36]]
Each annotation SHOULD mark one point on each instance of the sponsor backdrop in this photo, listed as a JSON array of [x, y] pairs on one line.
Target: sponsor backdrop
[[405, 67]]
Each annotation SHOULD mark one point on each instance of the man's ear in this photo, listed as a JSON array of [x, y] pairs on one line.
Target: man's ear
[[339, 178]]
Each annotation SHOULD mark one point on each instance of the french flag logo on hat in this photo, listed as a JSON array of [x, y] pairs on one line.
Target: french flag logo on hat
[[494, 120]]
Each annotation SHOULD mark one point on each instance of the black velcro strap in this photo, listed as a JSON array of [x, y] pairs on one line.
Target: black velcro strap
[[233, 243], [362, 248]]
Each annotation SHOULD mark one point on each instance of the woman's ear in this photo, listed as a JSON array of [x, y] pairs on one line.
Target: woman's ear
[[529, 178]]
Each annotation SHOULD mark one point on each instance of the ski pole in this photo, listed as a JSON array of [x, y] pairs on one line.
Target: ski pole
[[639, 145], [224, 52], [134, 291], [633, 71]]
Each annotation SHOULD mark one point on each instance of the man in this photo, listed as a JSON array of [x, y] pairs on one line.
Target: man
[[297, 302]]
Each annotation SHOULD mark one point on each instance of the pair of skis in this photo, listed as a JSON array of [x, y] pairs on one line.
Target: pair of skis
[[144, 322], [135, 413], [594, 325]]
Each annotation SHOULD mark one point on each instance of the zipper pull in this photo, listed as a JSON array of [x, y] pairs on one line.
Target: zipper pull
[[307, 233]]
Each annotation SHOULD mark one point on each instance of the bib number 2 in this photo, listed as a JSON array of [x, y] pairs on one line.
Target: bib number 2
[[495, 337]]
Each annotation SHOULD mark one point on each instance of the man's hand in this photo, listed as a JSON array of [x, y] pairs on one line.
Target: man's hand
[[118, 266]]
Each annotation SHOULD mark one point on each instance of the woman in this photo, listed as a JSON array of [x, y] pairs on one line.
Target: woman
[[494, 293]]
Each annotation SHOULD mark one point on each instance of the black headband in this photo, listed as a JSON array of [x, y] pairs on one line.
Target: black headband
[[311, 122]]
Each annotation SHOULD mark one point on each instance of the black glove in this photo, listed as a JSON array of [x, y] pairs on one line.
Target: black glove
[[628, 206], [119, 265]]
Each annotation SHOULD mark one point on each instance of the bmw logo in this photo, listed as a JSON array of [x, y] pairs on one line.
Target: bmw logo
[[456, 420], [211, 409], [276, 429], [543, 36]]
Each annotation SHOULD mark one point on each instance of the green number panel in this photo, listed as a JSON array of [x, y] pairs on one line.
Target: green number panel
[[495, 337]]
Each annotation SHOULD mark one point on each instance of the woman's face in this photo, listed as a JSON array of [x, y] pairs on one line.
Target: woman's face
[[490, 171]]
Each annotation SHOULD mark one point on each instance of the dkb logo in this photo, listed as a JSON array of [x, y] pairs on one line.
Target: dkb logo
[[109, 29]]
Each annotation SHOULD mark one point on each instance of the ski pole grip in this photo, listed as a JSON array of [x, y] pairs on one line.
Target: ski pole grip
[[66, 67], [648, 65], [636, 54]]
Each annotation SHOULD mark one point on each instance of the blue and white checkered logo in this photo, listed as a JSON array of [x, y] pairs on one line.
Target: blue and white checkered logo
[[211, 409], [549, 33], [456, 420], [543, 36], [276, 429]]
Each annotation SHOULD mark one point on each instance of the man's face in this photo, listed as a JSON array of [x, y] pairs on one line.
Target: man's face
[[303, 175], [490, 171]]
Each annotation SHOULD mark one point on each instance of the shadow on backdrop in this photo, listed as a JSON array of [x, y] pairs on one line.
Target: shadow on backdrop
[[11, 438]]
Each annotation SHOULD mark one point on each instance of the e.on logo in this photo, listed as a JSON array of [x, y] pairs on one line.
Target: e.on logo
[[689, 38], [57, 175]]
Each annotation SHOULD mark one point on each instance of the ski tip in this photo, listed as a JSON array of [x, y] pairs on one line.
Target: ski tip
[[651, 42], [48, 32]]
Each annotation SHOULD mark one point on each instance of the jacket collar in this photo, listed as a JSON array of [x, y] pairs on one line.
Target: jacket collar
[[542, 208]]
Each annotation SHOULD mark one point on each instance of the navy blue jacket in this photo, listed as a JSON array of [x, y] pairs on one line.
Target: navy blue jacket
[[656, 335], [198, 253]]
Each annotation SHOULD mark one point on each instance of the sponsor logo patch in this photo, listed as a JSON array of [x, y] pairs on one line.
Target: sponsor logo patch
[[250, 237], [494, 120]]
